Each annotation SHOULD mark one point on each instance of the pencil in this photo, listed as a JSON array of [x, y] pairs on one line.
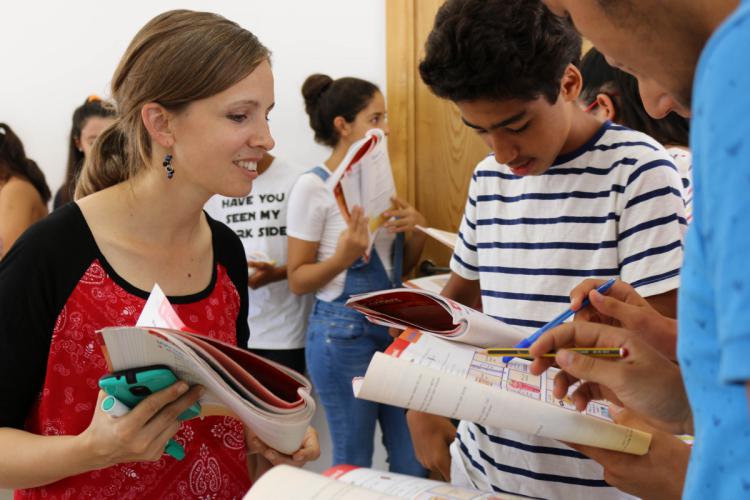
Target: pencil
[[601, 352], [558, 320]]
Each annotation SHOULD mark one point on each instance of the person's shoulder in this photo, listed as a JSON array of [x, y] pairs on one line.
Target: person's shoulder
[[19, 191], [57, 240], [309, 183], [729, 42], [680, 154], [222, 235], [229, 253], [630, 148], [618, 138], [63, 225]]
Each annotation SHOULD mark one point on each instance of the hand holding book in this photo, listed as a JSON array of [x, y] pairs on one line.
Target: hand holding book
[[403, 217], [271, 399], [354, 241]]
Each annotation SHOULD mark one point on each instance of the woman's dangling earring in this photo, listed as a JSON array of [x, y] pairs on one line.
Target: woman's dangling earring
[[168, 166]]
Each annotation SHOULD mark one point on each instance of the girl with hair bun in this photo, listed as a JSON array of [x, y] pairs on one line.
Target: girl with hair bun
[[23, 190], [193, 91], [89, 120], [325, 257]]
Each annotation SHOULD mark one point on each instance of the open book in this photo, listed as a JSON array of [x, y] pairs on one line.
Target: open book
[[364, 178], [271, 399], [406, 307], [445, 237], [346, 482], [425, 373]]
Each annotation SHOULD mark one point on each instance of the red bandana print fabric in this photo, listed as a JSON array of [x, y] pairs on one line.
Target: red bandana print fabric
[[215, 463]]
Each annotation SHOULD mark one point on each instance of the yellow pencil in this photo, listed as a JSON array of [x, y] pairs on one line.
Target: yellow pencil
[[601, 352]]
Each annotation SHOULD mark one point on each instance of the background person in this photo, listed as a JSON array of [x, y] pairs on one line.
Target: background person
[[23, 189], [89, 120], [612, 94], [276, 316], [325, 257]]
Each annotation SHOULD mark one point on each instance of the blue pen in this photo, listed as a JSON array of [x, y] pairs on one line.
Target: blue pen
[[525, 343]]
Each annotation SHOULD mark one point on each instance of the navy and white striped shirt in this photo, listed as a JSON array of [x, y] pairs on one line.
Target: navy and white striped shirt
[[611, 208]]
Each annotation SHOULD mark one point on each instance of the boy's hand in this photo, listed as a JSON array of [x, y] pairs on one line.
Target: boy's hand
[[644, 380], [622, 306], [659, 474], [432, 435]]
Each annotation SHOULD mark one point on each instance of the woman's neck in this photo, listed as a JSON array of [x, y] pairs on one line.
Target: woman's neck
[[148, 208]]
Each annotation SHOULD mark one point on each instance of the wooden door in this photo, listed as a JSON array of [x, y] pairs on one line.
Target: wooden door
[[433, 153]]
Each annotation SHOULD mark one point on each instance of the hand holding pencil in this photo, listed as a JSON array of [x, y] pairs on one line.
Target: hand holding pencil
[[644, 381], [558, 320], [624, 307], [518, 352]]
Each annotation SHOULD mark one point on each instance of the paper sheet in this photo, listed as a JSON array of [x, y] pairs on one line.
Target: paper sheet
[[472, 363]]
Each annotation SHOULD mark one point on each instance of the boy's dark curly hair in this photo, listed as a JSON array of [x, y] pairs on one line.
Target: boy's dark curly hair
[[498, 50]]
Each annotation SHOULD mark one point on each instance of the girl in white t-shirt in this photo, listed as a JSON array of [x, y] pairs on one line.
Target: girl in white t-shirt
[[325, 256]]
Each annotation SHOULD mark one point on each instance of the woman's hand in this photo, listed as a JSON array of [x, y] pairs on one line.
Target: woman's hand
[[354, 240], [142, 434], [403, 217], [262, 457]]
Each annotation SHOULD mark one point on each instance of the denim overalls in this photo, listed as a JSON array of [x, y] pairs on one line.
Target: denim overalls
[[340, 343]]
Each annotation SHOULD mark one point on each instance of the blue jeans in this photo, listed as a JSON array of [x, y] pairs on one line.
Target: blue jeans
[[340, 345]]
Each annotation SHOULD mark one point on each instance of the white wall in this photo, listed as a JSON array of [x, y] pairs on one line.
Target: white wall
[[54, 54]]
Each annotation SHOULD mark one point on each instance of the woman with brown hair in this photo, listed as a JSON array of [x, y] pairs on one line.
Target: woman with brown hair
[[193, 92], [23, 190]]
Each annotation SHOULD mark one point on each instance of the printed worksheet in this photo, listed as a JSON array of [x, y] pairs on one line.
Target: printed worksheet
[[472, 363]]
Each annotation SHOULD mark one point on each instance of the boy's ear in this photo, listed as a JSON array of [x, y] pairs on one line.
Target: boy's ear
[[571, 83], [607, 106], [159, 123]]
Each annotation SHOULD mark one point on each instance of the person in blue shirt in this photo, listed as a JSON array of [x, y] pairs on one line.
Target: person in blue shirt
[[692, 66]]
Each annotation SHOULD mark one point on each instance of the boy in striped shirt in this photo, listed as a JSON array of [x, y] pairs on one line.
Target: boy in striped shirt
[[563, 197]]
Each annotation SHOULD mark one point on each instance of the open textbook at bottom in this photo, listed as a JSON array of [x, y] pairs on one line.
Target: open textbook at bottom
[[422, 372], [346, 482], [271, 399]]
